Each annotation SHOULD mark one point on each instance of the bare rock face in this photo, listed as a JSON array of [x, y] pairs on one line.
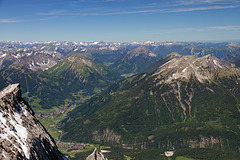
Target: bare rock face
[[190, 66], [96, 156], [40, 61], [107, 135], [22, 136], [141, 51], [32, 58]]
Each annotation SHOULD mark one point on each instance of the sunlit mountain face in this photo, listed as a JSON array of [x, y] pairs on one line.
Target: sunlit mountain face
[[182, 104]]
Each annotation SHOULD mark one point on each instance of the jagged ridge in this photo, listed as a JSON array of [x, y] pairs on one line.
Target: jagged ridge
[[186, 67], [22, 135]]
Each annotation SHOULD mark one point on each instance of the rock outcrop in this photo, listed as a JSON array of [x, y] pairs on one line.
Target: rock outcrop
[[187, 67], [96, 156], [22, 136]]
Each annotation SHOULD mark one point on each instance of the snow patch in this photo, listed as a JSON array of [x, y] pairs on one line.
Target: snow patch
[[17, 56], [184, 69], [3, 55], [95, 43], [25, 112], [29, 54], [3, 120], [174, 75], [216, 63], [19, 132], [22, 131]]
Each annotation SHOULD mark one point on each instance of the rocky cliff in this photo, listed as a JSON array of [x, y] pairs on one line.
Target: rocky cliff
[[22, 136]]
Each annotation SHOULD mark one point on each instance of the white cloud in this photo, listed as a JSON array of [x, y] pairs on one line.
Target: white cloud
[[7, 21], [194, 29], [173, 10], [202, 2], [132, 11], [225, 27], [54, 13], [145, 8], [200, 8]]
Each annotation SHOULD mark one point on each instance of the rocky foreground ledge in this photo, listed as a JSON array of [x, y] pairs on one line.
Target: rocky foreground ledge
[[22, 136], [96, 155]]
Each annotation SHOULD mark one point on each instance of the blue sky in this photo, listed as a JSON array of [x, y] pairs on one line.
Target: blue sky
[[120, 20]]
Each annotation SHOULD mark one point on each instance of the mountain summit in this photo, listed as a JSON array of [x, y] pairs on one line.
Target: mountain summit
[[186, 67], [82, 70], [21, 135], [141, 51]]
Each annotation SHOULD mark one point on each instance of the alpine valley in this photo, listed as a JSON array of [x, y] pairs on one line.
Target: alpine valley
[[136, 100], [188, 102]]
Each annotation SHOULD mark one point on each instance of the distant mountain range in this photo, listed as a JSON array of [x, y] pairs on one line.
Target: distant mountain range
[[31, 58], [104, 52]]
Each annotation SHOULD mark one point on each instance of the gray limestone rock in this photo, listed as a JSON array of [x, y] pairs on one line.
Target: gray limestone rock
[[96, 156], [22, 136]]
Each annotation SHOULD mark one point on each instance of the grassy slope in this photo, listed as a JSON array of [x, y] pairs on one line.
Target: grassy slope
[[140, 117], [65, 83]]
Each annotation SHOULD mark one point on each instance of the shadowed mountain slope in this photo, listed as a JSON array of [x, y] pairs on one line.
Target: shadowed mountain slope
[[135, 61]]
